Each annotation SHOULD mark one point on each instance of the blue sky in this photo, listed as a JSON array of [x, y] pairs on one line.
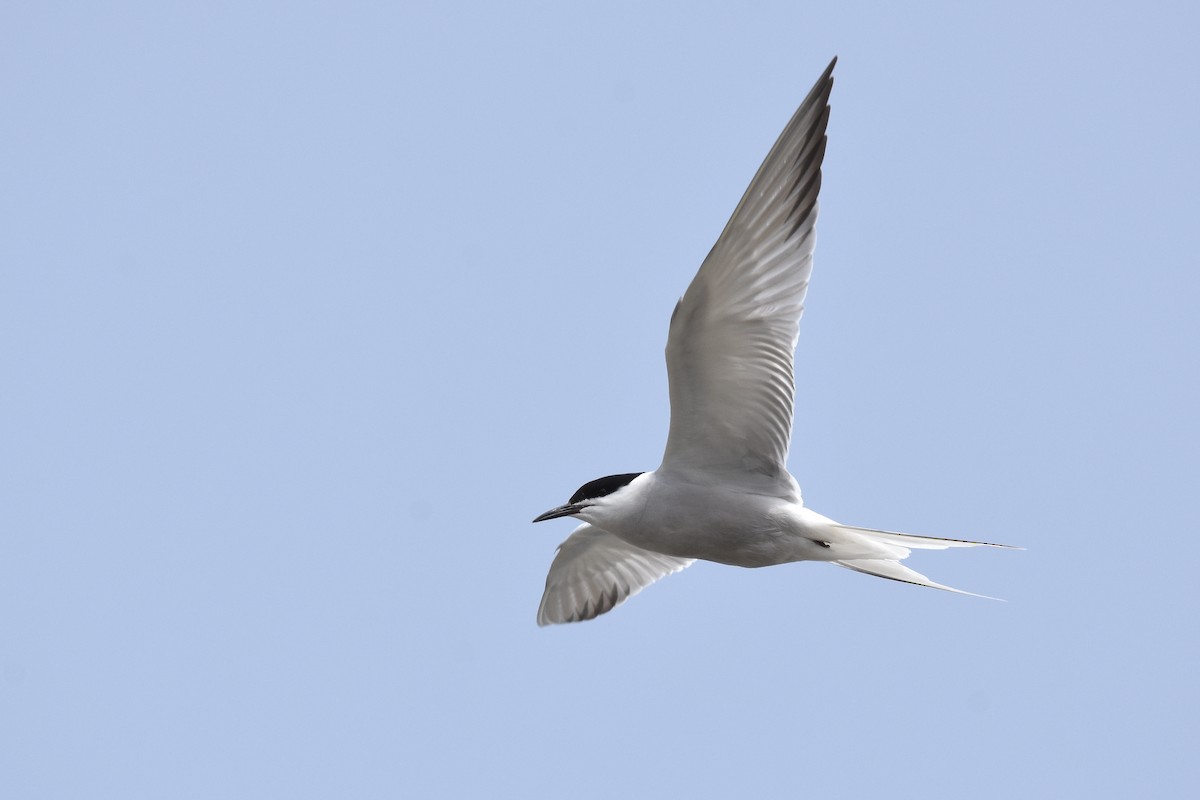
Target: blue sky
[[307, 309]]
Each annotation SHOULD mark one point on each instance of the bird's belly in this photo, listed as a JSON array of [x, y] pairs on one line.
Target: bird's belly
[[729, 528]]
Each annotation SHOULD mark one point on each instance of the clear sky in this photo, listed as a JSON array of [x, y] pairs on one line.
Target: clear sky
[[306, 310]]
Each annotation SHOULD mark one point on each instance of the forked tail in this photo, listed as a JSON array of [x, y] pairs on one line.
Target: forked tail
[[898, 547]]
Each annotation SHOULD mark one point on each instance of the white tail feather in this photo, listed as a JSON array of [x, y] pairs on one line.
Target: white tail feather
[[899, 544], [921, 542], [894, 570]]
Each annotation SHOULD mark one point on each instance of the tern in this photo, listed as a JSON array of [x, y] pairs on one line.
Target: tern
[[723, 492]]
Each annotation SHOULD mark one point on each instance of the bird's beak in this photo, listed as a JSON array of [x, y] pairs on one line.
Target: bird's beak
[[561, 511]]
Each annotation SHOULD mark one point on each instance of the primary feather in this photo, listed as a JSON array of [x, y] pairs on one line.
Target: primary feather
[[594, 572], [733, 334]]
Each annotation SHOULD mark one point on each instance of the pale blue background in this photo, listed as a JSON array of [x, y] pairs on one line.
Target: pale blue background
[[307, 309]]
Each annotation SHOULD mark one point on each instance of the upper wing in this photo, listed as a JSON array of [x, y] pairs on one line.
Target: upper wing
[[733, 334], [594, 572]]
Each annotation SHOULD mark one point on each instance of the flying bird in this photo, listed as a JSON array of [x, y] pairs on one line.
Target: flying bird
[[723, 492]]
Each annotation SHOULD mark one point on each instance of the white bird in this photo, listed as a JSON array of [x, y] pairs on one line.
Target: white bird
[[723, 492]]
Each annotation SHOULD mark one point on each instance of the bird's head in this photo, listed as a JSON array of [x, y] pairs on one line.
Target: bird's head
[[588, 494]]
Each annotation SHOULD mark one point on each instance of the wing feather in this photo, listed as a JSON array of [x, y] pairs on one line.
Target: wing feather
[[594, 572], [733, 334]]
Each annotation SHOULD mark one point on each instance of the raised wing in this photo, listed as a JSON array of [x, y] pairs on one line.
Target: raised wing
[[733, 334], [594, 572]]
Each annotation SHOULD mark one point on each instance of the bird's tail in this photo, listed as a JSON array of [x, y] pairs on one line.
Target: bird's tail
[[896, 547]]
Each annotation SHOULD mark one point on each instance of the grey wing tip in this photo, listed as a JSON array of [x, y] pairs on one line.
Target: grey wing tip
[[826, 79], [591, 608], [819, 92]]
